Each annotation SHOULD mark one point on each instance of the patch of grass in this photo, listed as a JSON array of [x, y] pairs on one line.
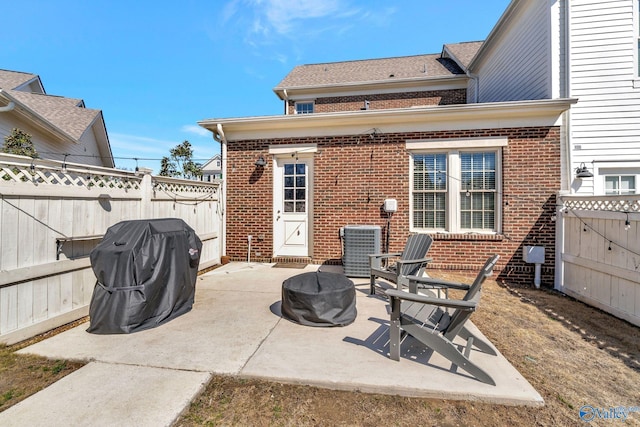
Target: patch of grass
[[23, 375], [565, 402], [6, 396], [60, 366]]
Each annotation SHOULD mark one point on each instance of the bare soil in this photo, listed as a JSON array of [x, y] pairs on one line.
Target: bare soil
[[23, 375], [571, 353]]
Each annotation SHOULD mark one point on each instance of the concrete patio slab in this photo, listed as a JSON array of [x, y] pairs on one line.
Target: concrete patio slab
[[236, 328], [108, 395]]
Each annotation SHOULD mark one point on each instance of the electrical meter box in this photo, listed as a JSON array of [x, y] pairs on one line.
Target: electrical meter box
[[390, 205], [533, 254]]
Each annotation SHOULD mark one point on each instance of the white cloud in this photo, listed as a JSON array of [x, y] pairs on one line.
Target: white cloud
[[196, 130], [140, 144], [283, 14], [280, 30]]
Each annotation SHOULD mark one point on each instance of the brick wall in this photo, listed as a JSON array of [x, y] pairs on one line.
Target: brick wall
[[386, 101], [355, 173]]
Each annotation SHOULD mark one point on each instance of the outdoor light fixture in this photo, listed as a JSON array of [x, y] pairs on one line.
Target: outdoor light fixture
[[261, 162], [583, 172], [64, 164]]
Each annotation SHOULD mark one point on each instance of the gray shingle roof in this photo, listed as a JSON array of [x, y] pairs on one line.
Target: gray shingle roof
[[464, 52], [370, 70], [64, 113], [14, 79]]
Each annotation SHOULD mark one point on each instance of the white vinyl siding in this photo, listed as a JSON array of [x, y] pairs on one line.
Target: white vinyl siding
[[605, 123], [518, 65]]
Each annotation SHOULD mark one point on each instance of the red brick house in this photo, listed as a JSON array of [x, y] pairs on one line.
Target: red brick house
[[480, 178]]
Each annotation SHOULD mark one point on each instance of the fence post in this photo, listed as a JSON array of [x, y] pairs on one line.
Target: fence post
[[559, 273], [146, 189]]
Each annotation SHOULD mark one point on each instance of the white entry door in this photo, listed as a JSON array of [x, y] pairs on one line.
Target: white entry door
[[291, 207]]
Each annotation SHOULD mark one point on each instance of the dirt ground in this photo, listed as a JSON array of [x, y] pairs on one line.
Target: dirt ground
[[572, 354]]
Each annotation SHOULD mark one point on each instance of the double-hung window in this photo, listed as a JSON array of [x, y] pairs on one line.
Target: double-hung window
[[304, 107], [455, 189]]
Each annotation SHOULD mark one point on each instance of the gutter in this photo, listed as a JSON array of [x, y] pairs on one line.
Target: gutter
[[412, 115], [386, 84]]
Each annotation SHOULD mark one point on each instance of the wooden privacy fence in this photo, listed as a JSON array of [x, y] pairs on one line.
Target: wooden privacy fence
[[52, 214], [598, 245]]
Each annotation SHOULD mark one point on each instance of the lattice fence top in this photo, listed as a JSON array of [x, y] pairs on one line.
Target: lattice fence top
[[32, 175], [173, 189], [603, 203]]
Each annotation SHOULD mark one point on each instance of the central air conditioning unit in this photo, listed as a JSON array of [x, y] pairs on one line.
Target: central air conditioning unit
[[360, 241]]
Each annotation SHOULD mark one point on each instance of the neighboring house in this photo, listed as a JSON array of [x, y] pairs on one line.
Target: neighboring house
[[61, 128], [481, 178], [588, 50], [212, 170]]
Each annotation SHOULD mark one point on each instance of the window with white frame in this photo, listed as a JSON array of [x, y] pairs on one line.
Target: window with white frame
[[455, 190], [613, 177], [304, 107], [620, 184]]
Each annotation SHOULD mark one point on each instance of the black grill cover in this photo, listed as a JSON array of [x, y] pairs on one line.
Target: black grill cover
[[146, 271]]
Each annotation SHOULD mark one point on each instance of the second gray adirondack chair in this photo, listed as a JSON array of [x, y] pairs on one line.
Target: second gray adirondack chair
[[410, 262], [430, 321]]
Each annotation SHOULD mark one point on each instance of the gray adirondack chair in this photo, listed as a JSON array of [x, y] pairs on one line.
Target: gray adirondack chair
[[435, 322], [410, 262]]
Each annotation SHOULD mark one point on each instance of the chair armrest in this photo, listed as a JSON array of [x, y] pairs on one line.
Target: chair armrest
[[438, 283], [422, 299], [390, 255], [413, 261]]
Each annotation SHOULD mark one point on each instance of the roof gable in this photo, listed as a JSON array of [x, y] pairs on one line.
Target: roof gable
[[67, 114], [17, 80], [462, 53]]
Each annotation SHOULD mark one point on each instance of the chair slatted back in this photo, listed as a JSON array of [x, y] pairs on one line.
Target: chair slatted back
[[459, 317], [417, 246]]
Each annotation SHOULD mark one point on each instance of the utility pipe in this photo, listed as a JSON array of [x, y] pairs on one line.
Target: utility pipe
[[219, 136]]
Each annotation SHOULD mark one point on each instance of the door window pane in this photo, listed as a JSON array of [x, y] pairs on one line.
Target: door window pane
[[295, 187]]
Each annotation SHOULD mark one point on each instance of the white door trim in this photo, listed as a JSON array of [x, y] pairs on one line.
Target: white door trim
[[291, 229]]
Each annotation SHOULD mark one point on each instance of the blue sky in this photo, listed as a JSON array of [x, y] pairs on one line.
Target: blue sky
[[155, 68]]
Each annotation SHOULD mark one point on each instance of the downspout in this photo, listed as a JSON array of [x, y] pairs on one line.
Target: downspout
[[10, 106], [476, 85], [565, 139], [219, 136], [286, 102]]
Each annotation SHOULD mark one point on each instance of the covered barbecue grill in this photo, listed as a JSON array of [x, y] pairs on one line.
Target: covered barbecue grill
[[146, 274]]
